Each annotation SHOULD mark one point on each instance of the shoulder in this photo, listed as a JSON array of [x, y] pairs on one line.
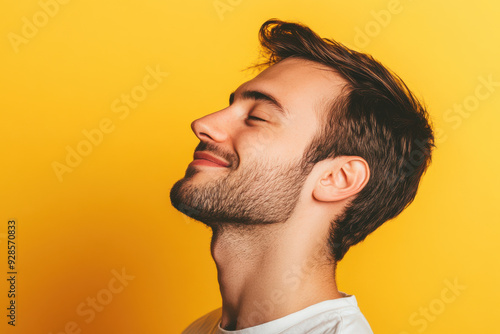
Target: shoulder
[[350, 321], [338, 316], [205, 324]]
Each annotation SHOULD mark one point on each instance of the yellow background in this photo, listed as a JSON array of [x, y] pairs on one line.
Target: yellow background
[[112, 211]]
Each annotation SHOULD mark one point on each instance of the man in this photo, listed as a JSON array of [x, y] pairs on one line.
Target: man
[[310, 157]]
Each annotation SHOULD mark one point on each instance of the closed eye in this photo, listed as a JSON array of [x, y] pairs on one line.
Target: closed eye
[[257, 119]]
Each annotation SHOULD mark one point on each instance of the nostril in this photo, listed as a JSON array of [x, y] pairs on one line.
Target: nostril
[[203, 134]]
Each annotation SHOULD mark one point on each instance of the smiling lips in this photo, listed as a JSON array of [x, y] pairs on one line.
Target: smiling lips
[[206, 159]]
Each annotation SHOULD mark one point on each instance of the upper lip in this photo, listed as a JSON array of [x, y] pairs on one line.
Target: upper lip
[[209, 157]]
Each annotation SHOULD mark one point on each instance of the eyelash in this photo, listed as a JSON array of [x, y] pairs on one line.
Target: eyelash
[[256, 118]]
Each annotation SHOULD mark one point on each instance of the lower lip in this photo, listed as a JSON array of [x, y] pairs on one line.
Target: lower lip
[[203, 162]]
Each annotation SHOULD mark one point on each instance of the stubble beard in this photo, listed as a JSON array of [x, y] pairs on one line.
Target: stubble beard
[[249, 196]]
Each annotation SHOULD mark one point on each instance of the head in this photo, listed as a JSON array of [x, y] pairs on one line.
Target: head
[[319, 110]]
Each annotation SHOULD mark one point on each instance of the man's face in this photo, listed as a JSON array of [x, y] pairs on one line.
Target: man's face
[[261, 136]]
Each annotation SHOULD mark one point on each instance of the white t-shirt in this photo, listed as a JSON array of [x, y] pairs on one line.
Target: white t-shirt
[[335, 316]]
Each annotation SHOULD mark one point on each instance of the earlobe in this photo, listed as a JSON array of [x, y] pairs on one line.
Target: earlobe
[[342, 178]]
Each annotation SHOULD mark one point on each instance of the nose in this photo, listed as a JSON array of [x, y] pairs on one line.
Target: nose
[[210, 127]]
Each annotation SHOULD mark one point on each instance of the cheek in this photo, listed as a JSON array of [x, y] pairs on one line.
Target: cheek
[[300, 137], [256, 142], [294, 146]]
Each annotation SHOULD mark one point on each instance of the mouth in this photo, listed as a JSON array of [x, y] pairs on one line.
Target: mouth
[[206, 159]]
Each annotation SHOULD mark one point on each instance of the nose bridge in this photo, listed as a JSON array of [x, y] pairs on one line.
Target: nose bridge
[[213, 126]]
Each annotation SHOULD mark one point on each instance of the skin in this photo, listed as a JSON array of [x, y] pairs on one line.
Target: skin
[[270, 211]]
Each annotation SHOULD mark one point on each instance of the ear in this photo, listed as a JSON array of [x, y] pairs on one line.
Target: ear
[[342, 178]]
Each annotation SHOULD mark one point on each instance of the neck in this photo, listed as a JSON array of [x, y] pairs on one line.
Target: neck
[[268, 271]]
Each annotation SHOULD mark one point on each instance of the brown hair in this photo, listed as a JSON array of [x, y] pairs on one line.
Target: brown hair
[[376, 117]]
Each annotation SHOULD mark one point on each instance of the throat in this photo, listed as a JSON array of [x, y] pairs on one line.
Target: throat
[[268, 265]]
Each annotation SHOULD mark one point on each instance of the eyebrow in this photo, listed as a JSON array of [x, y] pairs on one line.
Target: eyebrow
[[260, 96]]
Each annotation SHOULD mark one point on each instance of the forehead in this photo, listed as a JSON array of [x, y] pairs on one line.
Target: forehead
[[301, 86]]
